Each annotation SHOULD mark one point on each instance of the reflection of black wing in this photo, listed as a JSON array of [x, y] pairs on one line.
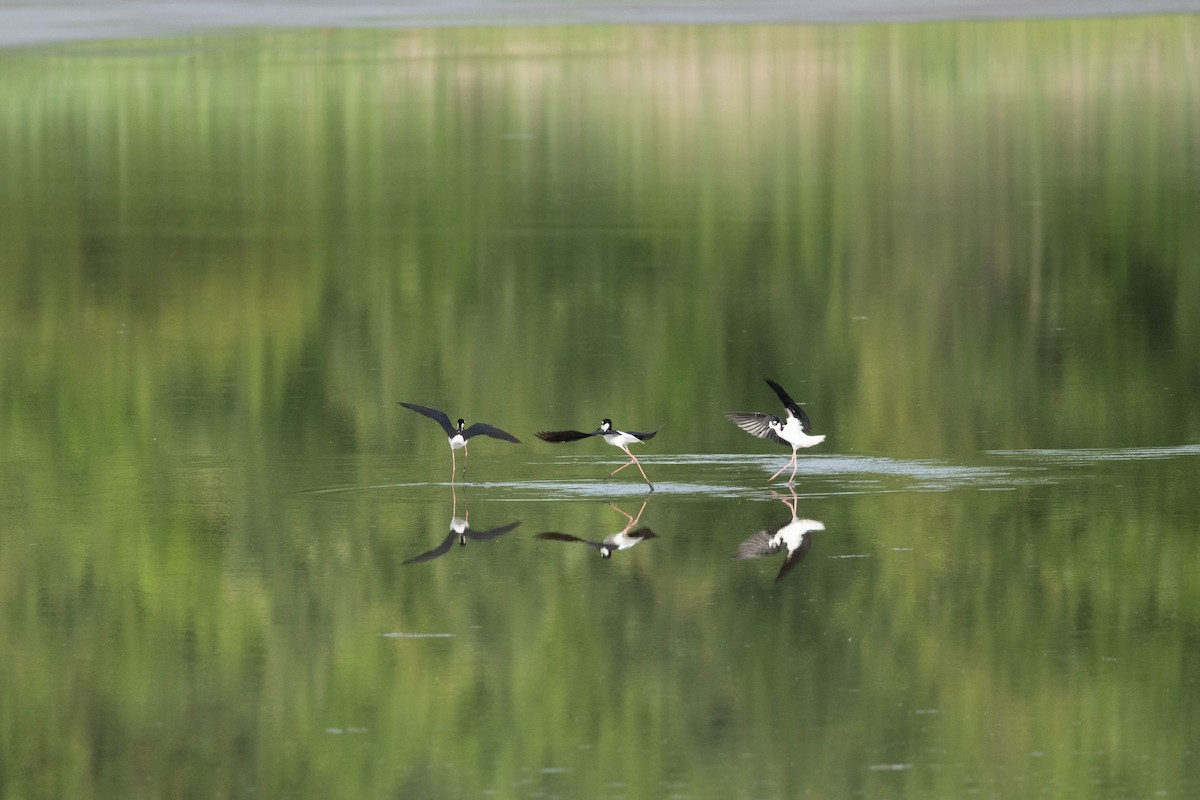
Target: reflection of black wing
[[795, 557], [756, 424], [482, 428], [791, 405], [642, 534], [555, 536], [563, 436], [440, 550], [493, 533], [438, 416], [760, 544]]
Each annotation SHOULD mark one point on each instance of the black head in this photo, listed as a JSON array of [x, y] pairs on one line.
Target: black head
[[606, 425], [462, 423]]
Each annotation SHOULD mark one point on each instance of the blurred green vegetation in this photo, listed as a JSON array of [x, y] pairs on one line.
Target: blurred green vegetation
[[933, 233], [226, 258]]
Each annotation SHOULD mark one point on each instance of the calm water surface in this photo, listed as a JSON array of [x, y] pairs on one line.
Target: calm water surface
[[230, 563]]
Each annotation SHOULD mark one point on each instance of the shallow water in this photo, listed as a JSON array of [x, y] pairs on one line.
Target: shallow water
[[953, 627], [230, 562]]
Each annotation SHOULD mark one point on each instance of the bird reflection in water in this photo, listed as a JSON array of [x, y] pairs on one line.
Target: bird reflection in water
[[793, 537], [623, 539], [460, 529]]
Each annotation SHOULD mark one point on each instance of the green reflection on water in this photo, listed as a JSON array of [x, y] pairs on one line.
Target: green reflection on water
[[225, 259]]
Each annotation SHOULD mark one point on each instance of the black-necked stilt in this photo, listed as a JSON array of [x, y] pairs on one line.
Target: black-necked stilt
[[458, 435], [794, 431], [794, 536], [621, 540], [611, 435]]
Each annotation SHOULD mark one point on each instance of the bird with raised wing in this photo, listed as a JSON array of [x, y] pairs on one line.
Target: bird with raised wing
[[795, 431], [611, 435], [458, 434]]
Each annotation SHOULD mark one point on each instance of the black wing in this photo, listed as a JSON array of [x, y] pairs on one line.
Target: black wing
[[438, 416], [783, 396], [440, 550], [494, 532], [482, 428], [563, 436], [756, 424], [791, 405], [645, 436]]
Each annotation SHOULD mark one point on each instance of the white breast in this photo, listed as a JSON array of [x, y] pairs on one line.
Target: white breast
[[620, 439], [791, 433]]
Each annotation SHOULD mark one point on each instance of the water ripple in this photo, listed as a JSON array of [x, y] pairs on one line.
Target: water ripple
[[1095, 455]]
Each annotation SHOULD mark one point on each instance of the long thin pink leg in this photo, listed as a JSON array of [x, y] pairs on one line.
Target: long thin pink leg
[[791, 463], [618, 469], [781, 469], [453, 466], [633, 458]]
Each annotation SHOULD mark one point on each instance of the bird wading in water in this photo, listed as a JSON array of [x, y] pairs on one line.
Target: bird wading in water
[[459, 434], [794, 431], [611, 435]]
